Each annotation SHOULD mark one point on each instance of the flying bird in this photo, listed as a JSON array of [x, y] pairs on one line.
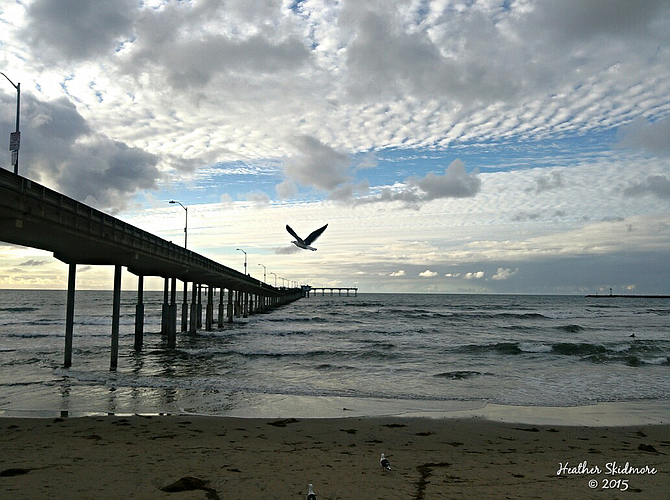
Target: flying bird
[[384, 462], [305, 244], [310, 494]]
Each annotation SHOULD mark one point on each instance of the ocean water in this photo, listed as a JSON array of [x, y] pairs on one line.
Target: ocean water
[[361, 353]]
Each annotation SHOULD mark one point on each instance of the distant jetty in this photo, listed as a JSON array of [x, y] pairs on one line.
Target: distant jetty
[[630, 296]]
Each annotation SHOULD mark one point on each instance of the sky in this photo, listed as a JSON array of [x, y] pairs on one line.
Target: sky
[[479, 146]]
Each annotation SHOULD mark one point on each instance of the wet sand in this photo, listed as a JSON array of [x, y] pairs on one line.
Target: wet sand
[[194, 457]]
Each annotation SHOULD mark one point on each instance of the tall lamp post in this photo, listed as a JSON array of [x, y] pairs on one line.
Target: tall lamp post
[[245, 260], [275, 279], [264, 270], [185, 222], [15, 137]]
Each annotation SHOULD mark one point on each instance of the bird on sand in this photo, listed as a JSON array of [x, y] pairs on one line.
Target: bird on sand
[[310, 494], [384, 462], [305, 244]]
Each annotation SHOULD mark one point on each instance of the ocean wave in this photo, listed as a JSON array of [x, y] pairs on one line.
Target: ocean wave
[[570, 328], [578, 349], [460, 374], [18, 309]]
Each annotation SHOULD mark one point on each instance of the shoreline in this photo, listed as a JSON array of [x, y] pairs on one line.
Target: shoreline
[[239, 458], [605, 414]]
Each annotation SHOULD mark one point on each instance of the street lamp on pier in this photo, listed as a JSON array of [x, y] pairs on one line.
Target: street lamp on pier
[[275, 279], [15, 137], [186, 221], [264, 270], [245, 261]]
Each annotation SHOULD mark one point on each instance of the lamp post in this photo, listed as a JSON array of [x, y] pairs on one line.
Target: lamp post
[[245, 260], [275, 279], [264, 270], [15, 137], [283, 282], [185, 222]]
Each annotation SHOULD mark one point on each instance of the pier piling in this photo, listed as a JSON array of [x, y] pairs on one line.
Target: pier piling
[[172, 327], [184, 309], [219, 319], [69, 314], [194, 309], [209, 318], [139, 314], [116, 313]]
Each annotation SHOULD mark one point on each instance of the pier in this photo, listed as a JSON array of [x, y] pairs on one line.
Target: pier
[[309, 290], [33, 215]]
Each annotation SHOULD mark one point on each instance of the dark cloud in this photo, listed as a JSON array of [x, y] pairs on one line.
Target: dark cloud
[[386, 59], [33, 263], [60, 149], [576, 19], [317, 165], [650, 137], [194, 62], [455, 183], [657, 185], [554, 180], [74, 30]]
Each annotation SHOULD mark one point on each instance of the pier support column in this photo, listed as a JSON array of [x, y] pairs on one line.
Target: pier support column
[[245, 313], [237, 304], [229, 310], [194, 310], [116, 313], [172, 326], [165, 311], [209, 319], [199, 306], [219, 319], [184, 309], [139, 314], [69, 314]]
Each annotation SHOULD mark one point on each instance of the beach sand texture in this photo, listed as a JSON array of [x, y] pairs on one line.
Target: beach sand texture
[[115, 457]]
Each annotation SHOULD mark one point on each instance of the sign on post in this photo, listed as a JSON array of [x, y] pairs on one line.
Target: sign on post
[[14, 141]]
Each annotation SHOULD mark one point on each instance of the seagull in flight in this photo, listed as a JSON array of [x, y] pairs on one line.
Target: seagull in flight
[[305, 244], [384, 462], [310, 494]]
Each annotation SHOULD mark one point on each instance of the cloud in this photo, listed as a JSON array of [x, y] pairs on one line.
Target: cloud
[[452, 275], [258, 197], [61, 148], [657, 185], [350, 192], [397, 273], [194, 62], [651, 137], [504, 273], [67, 30], [33, 263], [316, 164], [428, 274], [554, 180], [286, 250], [286, 189], [474, 276], [455, 183]]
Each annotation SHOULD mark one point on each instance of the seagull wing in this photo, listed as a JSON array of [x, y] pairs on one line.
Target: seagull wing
[[312, 237], [288, 228]]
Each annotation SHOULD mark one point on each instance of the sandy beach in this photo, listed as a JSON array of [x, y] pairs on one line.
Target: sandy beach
[[194, 457]]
